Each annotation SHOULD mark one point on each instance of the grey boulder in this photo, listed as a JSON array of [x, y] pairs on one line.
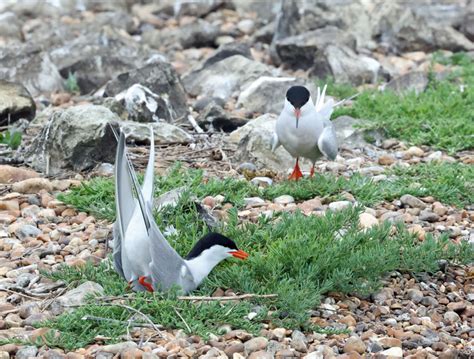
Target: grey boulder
[[15, 103]]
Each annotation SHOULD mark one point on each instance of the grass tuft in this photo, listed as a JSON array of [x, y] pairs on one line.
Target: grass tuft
[[297, 257], [442, 116]]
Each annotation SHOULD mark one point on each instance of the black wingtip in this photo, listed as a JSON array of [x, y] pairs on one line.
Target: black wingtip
[[298, 96]]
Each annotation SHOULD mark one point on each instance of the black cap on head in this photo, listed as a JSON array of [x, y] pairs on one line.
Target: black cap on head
[[210, 240], [297, 96]]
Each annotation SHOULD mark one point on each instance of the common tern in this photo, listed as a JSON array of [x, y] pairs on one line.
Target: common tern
[[142, 255], [304, 129]]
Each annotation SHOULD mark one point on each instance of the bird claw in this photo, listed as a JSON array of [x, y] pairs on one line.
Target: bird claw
[[296, 175], [147, 285]]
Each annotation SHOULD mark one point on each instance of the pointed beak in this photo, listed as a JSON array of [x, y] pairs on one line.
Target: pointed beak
[[297, 115], [240, 254]]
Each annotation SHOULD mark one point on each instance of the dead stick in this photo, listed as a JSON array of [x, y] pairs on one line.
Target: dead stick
[[179, 315], [115, 321], [236, 297]]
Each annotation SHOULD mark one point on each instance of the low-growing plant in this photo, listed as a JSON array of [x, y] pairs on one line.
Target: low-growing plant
[[11, 138]]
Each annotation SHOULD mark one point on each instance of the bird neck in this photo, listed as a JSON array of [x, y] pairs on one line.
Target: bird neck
[[202, 265]]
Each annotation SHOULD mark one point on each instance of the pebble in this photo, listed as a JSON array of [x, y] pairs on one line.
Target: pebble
[[339, 205], [26, 352], [415, 151], [262, 181], [32, 185], [451, 317], [254, 202], [284, 199], [412, 201], [354, 344], [393, 353], [428, 216], [367, 220], [255, 344], [415, 295], [246, 26], [386, 160]]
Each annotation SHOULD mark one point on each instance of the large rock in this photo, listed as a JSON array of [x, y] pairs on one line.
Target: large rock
[[160, 78], [10, 174], [196, 34], [15, 103], [29, 65], [413, 81], [164, 133], [299, 51], [351, 132], [267, 94], [228, 50], [76, 297], [345, 66], [77, 138], [254, 144], [225, 78], [10, 27], [97, 57]]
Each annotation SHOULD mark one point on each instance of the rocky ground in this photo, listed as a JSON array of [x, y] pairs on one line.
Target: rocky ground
[[211, 77]]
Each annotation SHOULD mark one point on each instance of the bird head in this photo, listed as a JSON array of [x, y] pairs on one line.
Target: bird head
[[209, 251], [297, 98], [216, 246]]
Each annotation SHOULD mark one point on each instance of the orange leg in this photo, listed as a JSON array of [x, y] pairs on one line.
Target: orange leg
[[296, 172], [147, 285], [311, 173]]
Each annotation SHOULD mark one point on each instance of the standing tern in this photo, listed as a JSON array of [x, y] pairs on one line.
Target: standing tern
[[304, 129], [142, 255]]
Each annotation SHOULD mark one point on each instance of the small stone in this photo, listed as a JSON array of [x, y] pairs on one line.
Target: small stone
[[6, 218], [234, 348], [254, 202], [415, 295], [32, 185], [457, 306], [246, 26], [261, 354], [451, 317], [389, 143], [415, 151], [435, 156], [354, 344], [26, 352], [388, 342], [255, 344], [386, 160], [393, 353], [412, 201], [439, 209], [339, 205], [366, 220], [209, 201], [4, 355], [418, 230], [27, 230], [119, 347], [299, 341], [284, 199], [428, 216], [262, 181], [429, 301], [349, 320], [279, 333]]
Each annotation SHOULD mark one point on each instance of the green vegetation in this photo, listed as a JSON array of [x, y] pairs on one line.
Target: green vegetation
[[71, 84], [297, 257], [11, 139], [442, 116], [450, 183]]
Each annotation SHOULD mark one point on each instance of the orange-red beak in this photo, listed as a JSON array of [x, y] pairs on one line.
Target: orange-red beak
[[240, 254], [297, 115]]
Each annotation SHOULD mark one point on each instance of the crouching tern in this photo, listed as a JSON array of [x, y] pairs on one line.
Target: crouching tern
[[142, 255], [304, 129]]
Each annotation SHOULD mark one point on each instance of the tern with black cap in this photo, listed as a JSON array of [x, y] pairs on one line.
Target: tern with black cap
[[142, 255], [304, 129]]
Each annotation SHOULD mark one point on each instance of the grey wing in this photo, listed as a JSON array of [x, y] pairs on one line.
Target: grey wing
[[327, 141], [147, 187], [275, 142], [124, 202], [166, 264]]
